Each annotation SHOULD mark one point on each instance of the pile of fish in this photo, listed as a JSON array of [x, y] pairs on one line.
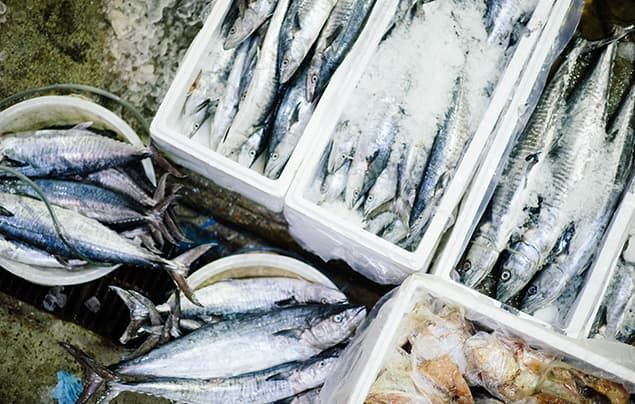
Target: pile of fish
[[255, 340], [412, 115], [276, 59], [441, 357], [98, 192], [560, 185]]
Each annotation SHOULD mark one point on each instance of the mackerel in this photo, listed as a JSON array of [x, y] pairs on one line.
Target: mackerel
[[300, 30], [261, 95], [582, 134], [504, 213], [66, 152]]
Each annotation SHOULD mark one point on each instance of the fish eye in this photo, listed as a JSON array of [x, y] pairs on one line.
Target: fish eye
[[314, 78], [467, 264], [338, 318], [322, 364], [323, 189], [274, 156], [324, 300], [532, 290], [370, 198], [285, 62], [355, 194], [196, 126], [252, 153], [343, 156], [505, 276], [232, 30]]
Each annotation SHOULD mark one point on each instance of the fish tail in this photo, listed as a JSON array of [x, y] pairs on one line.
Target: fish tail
[[94, 374], [162, 162], [142, 312], [155, 217], [180, 266]]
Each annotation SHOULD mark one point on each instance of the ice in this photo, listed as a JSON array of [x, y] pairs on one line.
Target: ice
[[93, 304], [54, 299], [417, 66]]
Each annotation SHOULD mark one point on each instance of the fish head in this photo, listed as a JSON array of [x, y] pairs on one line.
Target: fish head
[[274, 164], [353, 194], [250, 150], [313, 372], [478, 262], [243, 27], [313, 76], [316, 293], [516, 271], [543, 290], [289, 63], [332, 329], [377, 197]]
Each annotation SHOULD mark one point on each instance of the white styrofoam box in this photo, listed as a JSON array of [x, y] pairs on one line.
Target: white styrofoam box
[[223, 171], [330, 237], [480, 192], [362, 361]]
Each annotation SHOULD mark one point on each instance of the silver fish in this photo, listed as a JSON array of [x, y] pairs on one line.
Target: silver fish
[[620, 305], [396, 232], [334, 184], [65, 152], [511, 194], [250, 18], [500, 18], [118, 181], [201, 100], [255, 109], [584, 125], [322, 66], [552, 280], [27, 219], [26, 254], [228, 104], [410, 175], [253, 147], [379, 223], [345, 142], [447, 149], [371, 154], [291, 118], [307, 397], [300, 30], [248, 343], [385, 187], [262, 387]]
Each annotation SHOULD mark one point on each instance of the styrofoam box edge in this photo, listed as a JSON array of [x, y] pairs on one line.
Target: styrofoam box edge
[[331, 237], [223, 171], [472, 202], [380, 339]]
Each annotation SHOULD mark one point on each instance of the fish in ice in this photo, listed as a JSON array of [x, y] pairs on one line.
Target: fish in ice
[[620, 305], [343, 148], [251, 15], [385, 187], [334, 184]]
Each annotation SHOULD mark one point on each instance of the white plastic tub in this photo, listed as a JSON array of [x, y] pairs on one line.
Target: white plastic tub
[[41, 112], [329, 236], [223, 171], [365, 356]]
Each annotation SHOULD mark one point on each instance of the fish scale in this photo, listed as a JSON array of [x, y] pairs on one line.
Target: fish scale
[[582, 133], [517, 179]]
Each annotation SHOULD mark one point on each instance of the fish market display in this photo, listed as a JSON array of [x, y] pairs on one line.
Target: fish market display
[[271, 64], [441, 356], [251, 340], [404, 131], [106, 213], [542, 227]]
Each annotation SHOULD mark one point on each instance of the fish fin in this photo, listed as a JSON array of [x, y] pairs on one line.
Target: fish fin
[[5, 212], [291, 333], [295, 116], [242, 7], [156, 215], [149, 344], [11, 162], [82, 126], [287, 302], [174, 318], [142, 310], [297, 23], [159, 192], [331, 38], [162, 162], [180, 266], [173, 227], [157, 237], [94, 374]]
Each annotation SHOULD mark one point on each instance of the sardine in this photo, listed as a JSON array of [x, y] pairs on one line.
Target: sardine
[[385, 187], [451, 139], [63, 153], [255, 109], [511, 194], [249, 19], [27, 219], [291, 118], [330, 59], [552, 280], [345, 142], [371, 154], [583, 131], [228, 104], [300, 30]]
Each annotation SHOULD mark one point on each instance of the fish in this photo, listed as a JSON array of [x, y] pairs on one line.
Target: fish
[[267, 386], [620, 305], [334, 184], [306, 397], [553, 279], [291, 118], [247, 344], [66, 152], [378, 224], [583, 131], [26, 254], [344, 145], [447, 149], [410, 175], [396, 231], [202, 98], [372, 153], [253, 147], [117, 180], [252, 15], [261, 94], [500, 19], [324, 64], [300, 30], [518, 178], [385, 187], [28, 220], [228, 104]]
